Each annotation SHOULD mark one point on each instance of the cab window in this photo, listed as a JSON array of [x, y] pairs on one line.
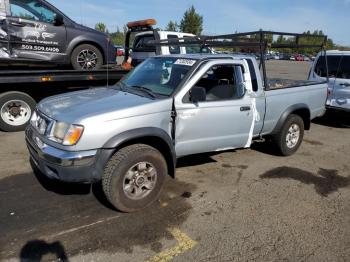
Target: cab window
[[222, 82], [32, 10]]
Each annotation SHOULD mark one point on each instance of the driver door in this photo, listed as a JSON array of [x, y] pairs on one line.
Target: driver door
[[224, 120], [33, 32]]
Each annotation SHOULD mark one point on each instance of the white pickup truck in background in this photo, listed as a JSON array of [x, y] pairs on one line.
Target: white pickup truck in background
[[144, 32]]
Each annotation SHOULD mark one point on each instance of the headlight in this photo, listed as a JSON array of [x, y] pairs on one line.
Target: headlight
[[66, 134]]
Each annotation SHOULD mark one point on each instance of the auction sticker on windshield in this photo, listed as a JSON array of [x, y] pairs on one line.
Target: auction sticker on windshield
[[187, 62]]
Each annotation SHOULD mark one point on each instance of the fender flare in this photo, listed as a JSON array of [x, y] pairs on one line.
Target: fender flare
[[297, 108], [139, 133]]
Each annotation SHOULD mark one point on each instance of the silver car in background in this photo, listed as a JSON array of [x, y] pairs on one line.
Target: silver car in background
[[339, 78]]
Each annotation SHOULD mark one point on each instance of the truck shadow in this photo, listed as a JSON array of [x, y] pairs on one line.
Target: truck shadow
[[266, 147], [334, 119], [196, 160], [325, 182], [38, 250]]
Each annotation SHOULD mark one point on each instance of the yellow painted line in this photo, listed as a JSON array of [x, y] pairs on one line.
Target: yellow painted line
[[184, 243]]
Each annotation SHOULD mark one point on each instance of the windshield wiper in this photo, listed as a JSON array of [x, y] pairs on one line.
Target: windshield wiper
[[146, 90]]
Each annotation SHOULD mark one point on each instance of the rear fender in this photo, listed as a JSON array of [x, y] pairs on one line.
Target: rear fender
[[301, 110]]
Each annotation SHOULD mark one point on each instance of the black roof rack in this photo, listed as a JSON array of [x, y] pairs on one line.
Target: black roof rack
[[255, 40]]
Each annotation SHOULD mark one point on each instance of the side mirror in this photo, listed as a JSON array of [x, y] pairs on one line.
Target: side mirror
[[198, 94], [59, 20]]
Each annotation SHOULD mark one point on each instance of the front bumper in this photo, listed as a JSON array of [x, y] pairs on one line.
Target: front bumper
[[81, 166]]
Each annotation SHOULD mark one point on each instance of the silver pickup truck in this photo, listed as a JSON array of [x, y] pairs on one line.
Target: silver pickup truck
[[130, 135]]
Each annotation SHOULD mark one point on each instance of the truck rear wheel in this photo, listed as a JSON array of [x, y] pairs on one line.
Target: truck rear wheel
[[288, 140], [134, 177], [16, 109], [87, 58]]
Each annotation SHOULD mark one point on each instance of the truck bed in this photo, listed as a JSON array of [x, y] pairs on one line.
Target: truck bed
[[284, 97]]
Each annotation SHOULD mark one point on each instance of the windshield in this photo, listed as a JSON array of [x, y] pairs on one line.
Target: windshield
[[159, 75]]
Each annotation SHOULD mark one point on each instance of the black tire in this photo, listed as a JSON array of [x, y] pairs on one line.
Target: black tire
[[92, 51], [289, 148], [115, 175], [12, 105]]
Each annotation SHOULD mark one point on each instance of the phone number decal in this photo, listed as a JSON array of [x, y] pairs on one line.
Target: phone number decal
[[41, 48]]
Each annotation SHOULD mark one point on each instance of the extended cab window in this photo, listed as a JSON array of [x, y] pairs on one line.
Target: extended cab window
[[333, 66], [32, 10], [223, 82]]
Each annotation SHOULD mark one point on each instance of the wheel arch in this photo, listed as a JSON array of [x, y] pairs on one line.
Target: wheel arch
[[151, 136], [301, 110]]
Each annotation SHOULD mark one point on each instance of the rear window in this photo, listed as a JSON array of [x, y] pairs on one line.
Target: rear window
[[333, 66], [195, 49], [173, 49], [140, 43]]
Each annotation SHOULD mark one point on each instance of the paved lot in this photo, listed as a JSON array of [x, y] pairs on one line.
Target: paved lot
[[241, 205]]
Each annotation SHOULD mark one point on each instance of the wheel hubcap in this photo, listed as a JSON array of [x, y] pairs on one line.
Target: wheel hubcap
[[15, 112], [87, 59], [140, 180], [293, 136]]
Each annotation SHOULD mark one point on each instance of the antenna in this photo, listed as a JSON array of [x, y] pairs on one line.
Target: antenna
[[108, 40]]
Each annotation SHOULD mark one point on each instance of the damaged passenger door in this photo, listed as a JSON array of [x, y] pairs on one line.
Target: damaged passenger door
[[36, 31], [214, 110]]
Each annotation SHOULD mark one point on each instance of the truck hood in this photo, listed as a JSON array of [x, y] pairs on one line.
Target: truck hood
[[104, 104]]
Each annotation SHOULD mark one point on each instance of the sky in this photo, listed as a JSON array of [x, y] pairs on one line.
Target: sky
[[220, 16]]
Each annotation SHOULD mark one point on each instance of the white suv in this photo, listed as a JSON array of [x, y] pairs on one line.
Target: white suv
[[339, 77]]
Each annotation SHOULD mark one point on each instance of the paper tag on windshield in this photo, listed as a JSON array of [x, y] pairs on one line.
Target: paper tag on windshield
[[186, 62]]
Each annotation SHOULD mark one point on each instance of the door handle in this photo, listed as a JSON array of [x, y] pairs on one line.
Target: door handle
[[344, 84], [245, 108], [17, 24]]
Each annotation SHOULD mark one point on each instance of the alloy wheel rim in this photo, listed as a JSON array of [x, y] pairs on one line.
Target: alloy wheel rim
[[87, 59], [293, 136], [140, 180]]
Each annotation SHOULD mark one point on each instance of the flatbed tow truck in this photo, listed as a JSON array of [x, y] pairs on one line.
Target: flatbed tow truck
[[22, 89]]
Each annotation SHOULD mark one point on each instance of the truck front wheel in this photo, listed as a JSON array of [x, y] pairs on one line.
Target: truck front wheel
[[134, 177], [16, 109], [288, 140]]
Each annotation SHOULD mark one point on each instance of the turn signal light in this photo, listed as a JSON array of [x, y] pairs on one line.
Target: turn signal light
[[46, 79], [73, 135], [147, 22]]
